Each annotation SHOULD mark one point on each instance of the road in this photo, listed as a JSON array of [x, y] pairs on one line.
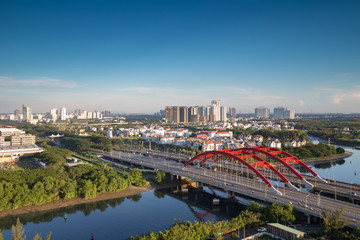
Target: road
[[308, 203]]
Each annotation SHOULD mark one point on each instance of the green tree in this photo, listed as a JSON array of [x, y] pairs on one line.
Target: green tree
[[69, 190], [18, 231], [135, 177], [159, 177], [333, 221], [255, 207], [88, 190]]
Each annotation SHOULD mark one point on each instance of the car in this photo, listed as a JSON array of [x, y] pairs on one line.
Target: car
[[261, 229]]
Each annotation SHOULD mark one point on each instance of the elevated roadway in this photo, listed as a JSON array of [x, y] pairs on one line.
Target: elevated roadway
[[308, 203], [336, 188]]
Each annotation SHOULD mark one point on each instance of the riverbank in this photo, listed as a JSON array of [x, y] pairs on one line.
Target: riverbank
[[328, 159], [129, 191]]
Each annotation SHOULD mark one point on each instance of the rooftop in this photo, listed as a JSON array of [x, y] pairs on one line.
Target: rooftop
[[286, 228]]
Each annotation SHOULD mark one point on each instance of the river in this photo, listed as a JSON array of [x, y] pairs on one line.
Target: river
[[346, 170], [151, 211], [123, 217]]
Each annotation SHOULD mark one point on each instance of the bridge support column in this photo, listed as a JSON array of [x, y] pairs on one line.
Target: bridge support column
[[229, 195], [198, 186], [308, 219]]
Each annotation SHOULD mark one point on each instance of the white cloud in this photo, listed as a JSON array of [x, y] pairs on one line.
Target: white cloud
[[339, 96], [33, 83]]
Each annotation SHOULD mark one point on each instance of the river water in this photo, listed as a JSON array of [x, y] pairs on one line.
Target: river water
[[346, 170], [151, 211], [123, 217]]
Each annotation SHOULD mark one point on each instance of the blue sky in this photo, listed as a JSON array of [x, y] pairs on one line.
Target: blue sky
[[139, 56]]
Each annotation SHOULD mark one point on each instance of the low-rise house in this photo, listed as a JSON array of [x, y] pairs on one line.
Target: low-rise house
[[295, 143], [274, 143]]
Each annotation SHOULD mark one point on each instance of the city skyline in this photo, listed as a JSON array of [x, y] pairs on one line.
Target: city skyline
[[140, 56]]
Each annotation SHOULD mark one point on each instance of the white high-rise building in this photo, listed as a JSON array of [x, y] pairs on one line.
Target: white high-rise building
[[90, 115], [215, 109], [54, 114], [289, 114], [110, 132], [63, 113], [223, 113], [27, 114]]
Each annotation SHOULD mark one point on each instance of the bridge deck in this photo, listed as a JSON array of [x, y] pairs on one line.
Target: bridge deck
[[308, 203]]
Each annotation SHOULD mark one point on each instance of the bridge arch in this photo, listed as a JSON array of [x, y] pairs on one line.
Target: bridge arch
[[235, 152], [283, 161], [210, 154]]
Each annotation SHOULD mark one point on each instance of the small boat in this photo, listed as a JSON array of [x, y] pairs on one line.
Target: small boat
[[65, 217]]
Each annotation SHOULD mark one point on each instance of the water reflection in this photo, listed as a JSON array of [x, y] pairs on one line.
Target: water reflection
[[124, 217], [341, 170], [329, 164]]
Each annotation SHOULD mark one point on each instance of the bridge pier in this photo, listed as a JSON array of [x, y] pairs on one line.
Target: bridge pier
[[230, 195], [198, 186], [308, 218]]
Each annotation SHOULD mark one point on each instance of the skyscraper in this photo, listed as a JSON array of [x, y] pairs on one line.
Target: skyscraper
[[215, 109], [63, 113], [54, 114], [279, 112], [289, 114], [262, 112], [27, 114], [223, 113], [172, 114], [232, 112], [17, 113], [184, 114]]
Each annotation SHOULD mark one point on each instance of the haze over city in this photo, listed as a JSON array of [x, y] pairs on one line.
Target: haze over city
[[140, 56]]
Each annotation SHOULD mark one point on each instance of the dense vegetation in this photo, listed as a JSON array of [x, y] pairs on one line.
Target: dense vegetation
[[314, 151], [335, 129], [255, 215], [58, 181]]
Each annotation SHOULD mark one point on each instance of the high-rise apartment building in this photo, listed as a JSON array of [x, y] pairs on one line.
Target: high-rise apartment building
[[215, 109], [63, 113], [27, 114], [289, 114], [232, 112], [54, 114], [223, 112], [172, 114], [17, 113], [284, 113], [262, 112], [184, 111], [177, 114], [279, 112]]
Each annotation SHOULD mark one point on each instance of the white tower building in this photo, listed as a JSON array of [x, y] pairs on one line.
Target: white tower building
[[63, 113]]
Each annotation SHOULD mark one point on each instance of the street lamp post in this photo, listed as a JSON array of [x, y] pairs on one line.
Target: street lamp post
[[318, 203], [306, 200]]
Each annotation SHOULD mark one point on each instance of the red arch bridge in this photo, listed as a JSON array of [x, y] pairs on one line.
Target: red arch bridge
[[256, 161]]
